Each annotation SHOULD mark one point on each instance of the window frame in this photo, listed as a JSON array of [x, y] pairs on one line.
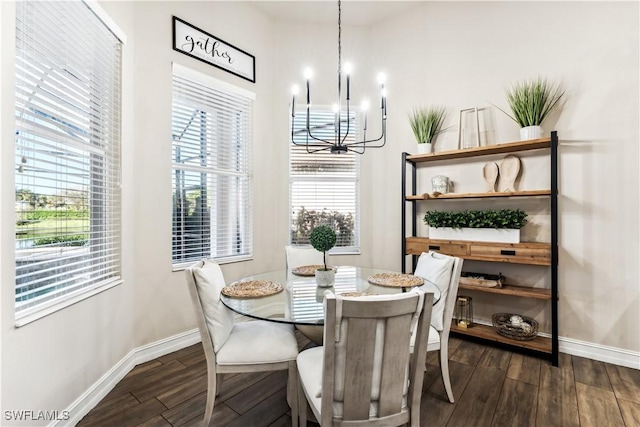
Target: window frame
[[211, 171], [27, 313], [300, 118]]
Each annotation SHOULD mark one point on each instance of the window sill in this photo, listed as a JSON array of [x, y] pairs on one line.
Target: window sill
[[33, 314], [347, 252], [184, 265]]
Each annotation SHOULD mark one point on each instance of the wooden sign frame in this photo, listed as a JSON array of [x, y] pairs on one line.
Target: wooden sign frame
[[198, 44]]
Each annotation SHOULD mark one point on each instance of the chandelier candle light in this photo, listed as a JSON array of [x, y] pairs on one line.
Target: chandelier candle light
[[341, 142]]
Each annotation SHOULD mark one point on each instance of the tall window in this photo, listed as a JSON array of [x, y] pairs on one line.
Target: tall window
[[67, 159], [211, 126], [324, 187]]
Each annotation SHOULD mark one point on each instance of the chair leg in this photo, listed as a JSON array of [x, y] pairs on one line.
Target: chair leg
[[292, 392], [219, 377], [212, 387], [302, 404], [444, 368]]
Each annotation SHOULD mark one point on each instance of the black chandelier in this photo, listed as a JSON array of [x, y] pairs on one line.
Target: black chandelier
[[343, 140]]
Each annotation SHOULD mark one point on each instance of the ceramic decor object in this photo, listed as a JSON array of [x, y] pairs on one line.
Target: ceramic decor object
[[509, 171], [490, 174]]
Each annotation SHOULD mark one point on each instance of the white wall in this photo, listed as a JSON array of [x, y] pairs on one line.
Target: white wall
[[161, 295], [457, 54], [466, 54]]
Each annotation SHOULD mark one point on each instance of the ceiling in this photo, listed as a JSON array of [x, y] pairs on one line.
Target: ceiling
[[326, 11]]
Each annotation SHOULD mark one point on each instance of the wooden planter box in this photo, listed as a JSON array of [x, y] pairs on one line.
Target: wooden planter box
[[497, 235]]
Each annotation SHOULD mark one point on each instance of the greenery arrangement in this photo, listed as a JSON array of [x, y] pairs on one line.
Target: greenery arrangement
[[51, 220], [531, 101], [426, 123], [323, 238], [43, 214], [305, 220], [504, 218], [68, 240]]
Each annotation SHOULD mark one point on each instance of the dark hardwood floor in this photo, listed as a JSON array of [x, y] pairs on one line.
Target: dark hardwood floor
[[492, 387]]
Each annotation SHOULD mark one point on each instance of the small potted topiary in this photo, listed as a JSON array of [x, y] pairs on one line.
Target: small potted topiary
[[323, 238]]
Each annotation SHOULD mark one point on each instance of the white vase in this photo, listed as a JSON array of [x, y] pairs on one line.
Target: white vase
[[498, 235], [325, 278], [530, 132], [425, 148], [440, 184]]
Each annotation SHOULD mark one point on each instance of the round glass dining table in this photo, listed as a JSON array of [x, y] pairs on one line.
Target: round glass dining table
[[301, 300]]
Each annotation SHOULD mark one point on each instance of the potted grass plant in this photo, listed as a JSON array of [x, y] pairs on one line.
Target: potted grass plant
[[531, 101], [323, 238], [426, 124]]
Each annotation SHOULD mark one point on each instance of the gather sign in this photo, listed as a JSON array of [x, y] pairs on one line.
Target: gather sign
[[205, 47]]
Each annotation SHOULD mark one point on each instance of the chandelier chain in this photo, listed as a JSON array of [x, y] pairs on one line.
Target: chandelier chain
[[339, 37]]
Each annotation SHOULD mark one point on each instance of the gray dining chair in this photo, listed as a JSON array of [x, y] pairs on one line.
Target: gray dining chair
[[444, 271], [365, 374], [230, 347]]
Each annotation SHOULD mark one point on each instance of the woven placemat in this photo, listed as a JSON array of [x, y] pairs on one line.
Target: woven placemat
[[252, 289], [306, 270], [395, 280], [356, 294]]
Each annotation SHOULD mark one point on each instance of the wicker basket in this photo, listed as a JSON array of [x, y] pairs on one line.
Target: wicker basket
[[502, 324]]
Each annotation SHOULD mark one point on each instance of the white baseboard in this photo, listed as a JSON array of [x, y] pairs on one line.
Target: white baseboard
[[90, 398], [602, 353]]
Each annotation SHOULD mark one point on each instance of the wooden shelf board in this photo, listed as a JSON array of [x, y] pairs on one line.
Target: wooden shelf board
[[535, 245], [540, 344], [417, 245], [510, 260], [527, 193], [508, 147], [513, 290]]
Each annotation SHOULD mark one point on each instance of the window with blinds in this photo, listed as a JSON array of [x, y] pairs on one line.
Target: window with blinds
[[324, 188], [212, 132], [67, 153]]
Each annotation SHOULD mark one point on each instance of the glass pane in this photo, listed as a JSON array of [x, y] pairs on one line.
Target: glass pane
[[67, 200]]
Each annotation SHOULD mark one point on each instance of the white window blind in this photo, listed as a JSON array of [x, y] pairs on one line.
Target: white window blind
[[324, 187], [67, 140], [211, 125]]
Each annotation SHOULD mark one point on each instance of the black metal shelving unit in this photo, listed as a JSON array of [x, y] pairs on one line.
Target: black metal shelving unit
[[543, 347]]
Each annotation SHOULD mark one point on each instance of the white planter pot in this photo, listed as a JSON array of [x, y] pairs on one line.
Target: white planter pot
[[325, 278], [530, 132], [498, 235], [425, 148]]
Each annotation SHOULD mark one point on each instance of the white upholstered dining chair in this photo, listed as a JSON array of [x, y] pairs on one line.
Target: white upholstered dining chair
[[229, 347], [365, 374], [444, 271], [299, 255]]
